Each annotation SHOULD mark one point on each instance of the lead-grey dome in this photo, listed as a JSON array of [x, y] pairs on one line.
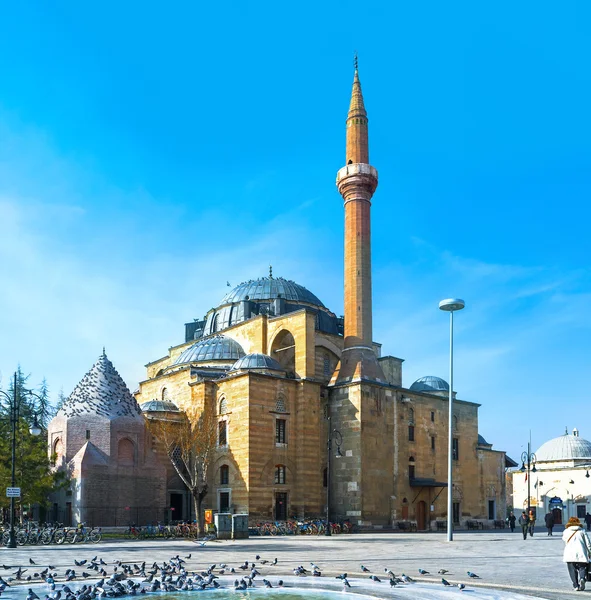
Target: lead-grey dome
[[257, 361], [268, 288], [564, 448], [216, 347], [430, 383], [159, 406]]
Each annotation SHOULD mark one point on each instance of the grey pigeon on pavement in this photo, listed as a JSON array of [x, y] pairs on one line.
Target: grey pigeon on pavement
[[473, 575], [445, 581]]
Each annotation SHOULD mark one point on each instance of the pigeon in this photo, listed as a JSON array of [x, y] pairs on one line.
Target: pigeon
[[461, 586], [473, 575], [79, 563], [346, 584], [406, 578], [364, 569], [341, 576], [443, 571], [375, 578], [280, 583], [445, 581], [32, 562], [389, 572], [188, 557], [32, 595], [423, 572], [258, 557], [392, 582], [317, 573]]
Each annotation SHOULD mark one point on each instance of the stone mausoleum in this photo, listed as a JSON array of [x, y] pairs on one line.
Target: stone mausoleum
[[278, 366]]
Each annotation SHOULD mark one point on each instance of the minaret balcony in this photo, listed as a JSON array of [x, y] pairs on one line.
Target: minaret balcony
[[357, 169]]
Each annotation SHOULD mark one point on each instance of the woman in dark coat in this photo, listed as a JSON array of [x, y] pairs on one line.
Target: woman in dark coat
[[511, 520]]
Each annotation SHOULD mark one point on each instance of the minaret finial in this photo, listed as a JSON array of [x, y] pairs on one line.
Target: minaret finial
[[104, 353], [355, 61], [270, 271]]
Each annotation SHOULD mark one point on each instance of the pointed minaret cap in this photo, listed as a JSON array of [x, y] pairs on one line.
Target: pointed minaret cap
[[356, 108]]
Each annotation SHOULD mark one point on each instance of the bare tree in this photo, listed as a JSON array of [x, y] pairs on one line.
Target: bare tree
[[190, 442]]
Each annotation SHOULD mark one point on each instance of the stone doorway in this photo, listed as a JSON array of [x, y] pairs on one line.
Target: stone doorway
[[421, 516], [281, 506], [557, 514]]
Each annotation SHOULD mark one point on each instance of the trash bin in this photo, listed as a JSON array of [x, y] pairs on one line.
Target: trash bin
[[239, 527], [223, 525]]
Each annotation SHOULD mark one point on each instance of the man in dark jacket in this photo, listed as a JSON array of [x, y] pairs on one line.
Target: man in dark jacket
[[524, 522], [549, 519]]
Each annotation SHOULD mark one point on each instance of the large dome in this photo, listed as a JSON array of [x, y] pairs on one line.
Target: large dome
[[216, 347], [268, 288], [566, 447], [430, 383]]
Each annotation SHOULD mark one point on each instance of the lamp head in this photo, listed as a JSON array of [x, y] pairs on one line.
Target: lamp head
[[451, 304], [35, 428]]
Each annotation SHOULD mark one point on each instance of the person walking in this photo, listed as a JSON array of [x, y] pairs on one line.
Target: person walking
[[577, 552], [532, 522], [549, 519], [511, 520], [524, 522], [588, 521]]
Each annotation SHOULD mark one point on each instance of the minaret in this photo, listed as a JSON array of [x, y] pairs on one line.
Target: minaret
[[357, 182]]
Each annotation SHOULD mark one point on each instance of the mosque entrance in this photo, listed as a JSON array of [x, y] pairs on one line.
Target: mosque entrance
[[176, 506], [557, 514], [421, 516]]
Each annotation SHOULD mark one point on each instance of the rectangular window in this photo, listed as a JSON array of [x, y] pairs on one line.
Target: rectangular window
[[411, 433], [456, 449], [581, 510], [224, 502], [280, 437], [432, 417], [280, 474], [432, 442], [456, 512], [411, 471], [223, 433], [88, 434]]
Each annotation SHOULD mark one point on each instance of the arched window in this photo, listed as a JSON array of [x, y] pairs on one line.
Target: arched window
[[411, 415], [126, 452], [223, 406], [224, 475], [280, 405], [215, 323], [280, 474], [283, 350], [455, 421], [164, 394], [56, 451]]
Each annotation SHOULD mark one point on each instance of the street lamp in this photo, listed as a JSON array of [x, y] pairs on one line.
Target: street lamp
[[450, 305], [35, 429], [338, 438], [528, 463]]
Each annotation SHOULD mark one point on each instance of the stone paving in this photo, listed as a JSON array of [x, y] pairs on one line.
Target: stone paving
[[502, 559]]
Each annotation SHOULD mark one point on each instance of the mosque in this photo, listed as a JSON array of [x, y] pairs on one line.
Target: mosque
[[292, 384], [559, 479]]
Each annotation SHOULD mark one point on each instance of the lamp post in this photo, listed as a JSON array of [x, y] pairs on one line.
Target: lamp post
[[528, 463], [14, 406], [450, 305], [338, 438]]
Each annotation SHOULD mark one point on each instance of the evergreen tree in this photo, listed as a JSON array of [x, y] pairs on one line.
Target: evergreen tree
[[44, 410], [61, 398]]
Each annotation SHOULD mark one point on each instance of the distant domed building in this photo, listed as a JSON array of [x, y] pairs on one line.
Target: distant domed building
[[561, 482], [99, 436]]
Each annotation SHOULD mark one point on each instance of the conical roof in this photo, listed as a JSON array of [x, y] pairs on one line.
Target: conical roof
[[101, 392]]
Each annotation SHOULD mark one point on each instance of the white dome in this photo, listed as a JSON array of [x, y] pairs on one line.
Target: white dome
[[565, 447]]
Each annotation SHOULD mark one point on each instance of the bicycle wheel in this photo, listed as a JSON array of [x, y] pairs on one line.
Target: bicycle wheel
[[96, 537], [59, 537], [71, 536], [21, 538], [46, 538]]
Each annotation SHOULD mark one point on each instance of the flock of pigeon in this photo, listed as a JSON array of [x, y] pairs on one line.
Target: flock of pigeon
[[170, 576]]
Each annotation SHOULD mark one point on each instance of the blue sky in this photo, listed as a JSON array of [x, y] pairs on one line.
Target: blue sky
[[151, 152]]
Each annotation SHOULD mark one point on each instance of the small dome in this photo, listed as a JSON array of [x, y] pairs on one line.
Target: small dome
[[159, 406], [217, 347], [257, 361], [482, 441], [430, 383], [268, 288], [565, 447]]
